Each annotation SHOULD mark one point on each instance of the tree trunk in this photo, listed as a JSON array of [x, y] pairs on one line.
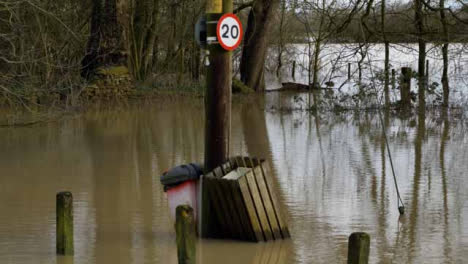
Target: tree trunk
[[387, 74], [90, 60], [387, 57], [171, 38], [255, 44], [317, 50], [419, 20], [143, 36], [149, 59], [105, 62], [445, 48], [195, 62], [315, 77], [281, 40], [363, 53], [105, 45], [405, 87]]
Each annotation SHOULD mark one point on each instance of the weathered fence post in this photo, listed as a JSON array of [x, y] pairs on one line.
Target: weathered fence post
[[185, 235], [358, 248], [64, 211], [405, 86], [393, 79]]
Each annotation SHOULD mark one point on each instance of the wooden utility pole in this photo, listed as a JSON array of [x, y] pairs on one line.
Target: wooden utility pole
[[218, 90]]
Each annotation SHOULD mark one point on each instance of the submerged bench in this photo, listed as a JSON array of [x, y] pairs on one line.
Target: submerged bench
[[239, 202]]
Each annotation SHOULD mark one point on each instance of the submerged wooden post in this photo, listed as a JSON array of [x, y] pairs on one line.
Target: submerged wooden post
[[358, 248], [405, 86], [185, 235], [64, 211], [218, 90]]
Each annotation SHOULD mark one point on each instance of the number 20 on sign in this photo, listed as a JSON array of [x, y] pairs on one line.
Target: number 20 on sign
[[229, 32]]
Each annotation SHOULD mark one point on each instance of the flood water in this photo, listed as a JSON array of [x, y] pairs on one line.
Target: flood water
[[336, 58], [331, 170]]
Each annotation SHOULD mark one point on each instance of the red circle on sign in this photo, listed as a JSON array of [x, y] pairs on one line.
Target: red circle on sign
[[218, 32]]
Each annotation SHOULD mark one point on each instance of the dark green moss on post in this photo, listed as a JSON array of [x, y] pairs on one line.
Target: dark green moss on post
[[358, 248], [64, 223], [185, 235]]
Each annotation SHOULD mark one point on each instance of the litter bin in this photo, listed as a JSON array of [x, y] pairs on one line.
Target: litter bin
[[181, 186]]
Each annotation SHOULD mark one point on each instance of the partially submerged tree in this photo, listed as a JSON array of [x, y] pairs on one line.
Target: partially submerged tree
[[105, 62], [255, 46], [281, 42], [105, 47], [387, 54], [323, 22], [420, 32], [445, 49], [143, 37]]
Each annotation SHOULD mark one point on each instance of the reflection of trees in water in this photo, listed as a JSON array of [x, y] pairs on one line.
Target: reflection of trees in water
[[126, 167], [111, 141], [174, 136], [384, 207], [414, 205], [254, 127], [426, 194], [443, 144]]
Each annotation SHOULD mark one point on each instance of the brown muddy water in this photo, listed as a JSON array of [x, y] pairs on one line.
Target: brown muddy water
[[331, 171]]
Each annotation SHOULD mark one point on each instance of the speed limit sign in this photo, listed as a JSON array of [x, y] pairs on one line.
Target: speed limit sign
[[229, 31]]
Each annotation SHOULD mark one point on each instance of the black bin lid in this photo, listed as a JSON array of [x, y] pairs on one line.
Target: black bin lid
[[180, 174]]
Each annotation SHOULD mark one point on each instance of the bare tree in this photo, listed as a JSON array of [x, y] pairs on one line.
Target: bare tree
[[420, 31], [445, 49], [143, 36], [387, 54], [255, 44], [323, 22], [106, 41], [281, 44]]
